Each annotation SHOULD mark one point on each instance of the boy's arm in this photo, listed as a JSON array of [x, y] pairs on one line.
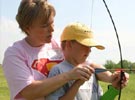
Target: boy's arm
[[71, 93], [110, 94]]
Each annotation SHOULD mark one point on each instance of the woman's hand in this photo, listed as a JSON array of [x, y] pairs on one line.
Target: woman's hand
[[82, 72]]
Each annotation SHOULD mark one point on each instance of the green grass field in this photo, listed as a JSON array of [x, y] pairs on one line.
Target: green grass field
[[4, 91], [128, 93]]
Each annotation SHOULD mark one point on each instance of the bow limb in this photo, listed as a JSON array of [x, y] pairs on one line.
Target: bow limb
[[122, 72]]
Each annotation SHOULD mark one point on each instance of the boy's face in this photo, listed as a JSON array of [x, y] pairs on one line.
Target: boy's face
[[80, 52]]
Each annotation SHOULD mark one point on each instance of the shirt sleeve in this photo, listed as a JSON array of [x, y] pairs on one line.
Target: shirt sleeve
[[59, 92], [16, 71], [110, 94]]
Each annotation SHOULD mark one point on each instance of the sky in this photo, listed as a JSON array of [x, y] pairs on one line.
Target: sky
[[91, 12]]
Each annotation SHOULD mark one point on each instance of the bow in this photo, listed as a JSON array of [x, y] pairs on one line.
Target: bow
[[122, 72]]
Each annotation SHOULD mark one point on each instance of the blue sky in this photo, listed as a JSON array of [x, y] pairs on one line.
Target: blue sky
[[90, 12]]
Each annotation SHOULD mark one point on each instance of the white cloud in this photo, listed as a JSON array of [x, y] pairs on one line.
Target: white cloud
[[9, 32], [108, 38], [8, 25]]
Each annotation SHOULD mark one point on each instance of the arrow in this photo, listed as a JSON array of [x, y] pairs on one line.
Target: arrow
[[100, 70]]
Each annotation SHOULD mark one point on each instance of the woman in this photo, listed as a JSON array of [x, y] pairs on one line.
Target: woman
[[27, 62]]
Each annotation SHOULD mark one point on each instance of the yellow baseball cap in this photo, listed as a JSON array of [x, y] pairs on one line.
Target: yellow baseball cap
[[81, 33]]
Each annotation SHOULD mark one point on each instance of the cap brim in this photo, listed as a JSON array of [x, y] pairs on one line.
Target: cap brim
[[91, 43]]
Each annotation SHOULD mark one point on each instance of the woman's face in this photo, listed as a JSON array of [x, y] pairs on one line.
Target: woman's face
[[40, 34]]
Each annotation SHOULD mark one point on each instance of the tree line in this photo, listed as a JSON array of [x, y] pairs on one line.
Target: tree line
[[127, 65]]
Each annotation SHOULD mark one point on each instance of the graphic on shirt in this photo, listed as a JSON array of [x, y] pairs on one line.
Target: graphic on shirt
[[44, 65]]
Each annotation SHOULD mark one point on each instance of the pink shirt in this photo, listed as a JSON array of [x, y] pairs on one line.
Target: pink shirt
[[23, 64]]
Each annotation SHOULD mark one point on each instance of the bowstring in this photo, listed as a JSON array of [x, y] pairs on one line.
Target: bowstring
[[120, 51], [92, 7], [91, 23]]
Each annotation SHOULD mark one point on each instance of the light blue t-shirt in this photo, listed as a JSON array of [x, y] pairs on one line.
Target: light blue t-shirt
[[90, 90]]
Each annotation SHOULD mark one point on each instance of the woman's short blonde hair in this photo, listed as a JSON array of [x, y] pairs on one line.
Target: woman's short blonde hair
[[31, 11]]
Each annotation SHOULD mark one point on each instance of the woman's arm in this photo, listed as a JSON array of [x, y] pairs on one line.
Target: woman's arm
[[44, 87]]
